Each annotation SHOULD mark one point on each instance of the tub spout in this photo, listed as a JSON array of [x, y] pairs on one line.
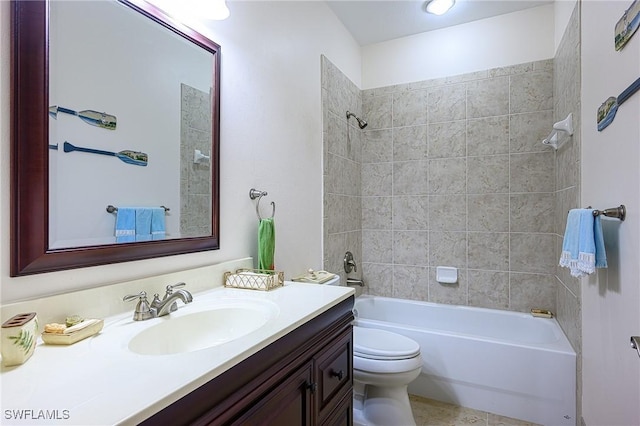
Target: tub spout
[[354, 281]]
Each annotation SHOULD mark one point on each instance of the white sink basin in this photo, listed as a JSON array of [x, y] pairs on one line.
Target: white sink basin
[[206, 328]]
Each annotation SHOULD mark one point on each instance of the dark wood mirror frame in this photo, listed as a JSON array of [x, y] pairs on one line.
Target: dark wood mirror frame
[[30, 253]]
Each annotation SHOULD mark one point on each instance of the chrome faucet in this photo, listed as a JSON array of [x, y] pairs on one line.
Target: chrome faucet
[[168, 303], [158, 308]]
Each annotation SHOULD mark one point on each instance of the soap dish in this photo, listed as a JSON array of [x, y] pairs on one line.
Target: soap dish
[[92, 326], [315, 277]]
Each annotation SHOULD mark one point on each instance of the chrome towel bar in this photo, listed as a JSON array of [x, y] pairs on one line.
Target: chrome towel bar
[[112, 209]]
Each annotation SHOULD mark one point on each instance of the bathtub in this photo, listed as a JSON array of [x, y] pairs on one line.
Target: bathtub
[[506, 363]]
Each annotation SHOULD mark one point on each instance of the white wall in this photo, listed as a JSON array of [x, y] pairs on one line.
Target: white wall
[[611, 176], [81, 77], [503, 40], [271, 139], [562, 10]]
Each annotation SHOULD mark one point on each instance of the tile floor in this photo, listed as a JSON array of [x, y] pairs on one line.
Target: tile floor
[[428, 412]]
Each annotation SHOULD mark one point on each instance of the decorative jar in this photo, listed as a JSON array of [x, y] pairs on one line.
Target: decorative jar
[[19, 335]]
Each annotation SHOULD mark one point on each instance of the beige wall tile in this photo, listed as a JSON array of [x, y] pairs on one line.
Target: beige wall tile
[[447, 139], [488, 97], [447, 103], [411, 282], [488, 289], [486, 136], [410, 143], [448, 249]]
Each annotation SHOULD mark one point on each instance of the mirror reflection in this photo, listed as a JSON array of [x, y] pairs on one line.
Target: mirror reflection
[[121, 103], [130, 128]]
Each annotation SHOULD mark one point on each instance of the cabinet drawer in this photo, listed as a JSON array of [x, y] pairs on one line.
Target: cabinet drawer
[[334, 372], [288, 403], [342, 415]]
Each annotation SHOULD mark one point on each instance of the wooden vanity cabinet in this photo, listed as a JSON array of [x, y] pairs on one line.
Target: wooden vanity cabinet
[[303, 378]]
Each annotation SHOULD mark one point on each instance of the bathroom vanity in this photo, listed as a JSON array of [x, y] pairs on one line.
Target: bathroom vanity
[[304, 378], [295, 368]]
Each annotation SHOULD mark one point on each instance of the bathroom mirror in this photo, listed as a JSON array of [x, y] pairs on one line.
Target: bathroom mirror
[[51, 184]]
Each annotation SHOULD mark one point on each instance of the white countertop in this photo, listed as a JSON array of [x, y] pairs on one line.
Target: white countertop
[[99, 381]]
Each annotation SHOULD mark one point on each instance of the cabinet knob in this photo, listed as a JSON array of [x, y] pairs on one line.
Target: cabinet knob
[[312, 386], [339, 374]]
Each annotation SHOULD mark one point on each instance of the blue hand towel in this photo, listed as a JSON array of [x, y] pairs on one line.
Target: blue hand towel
[[143, 224], [158, 227], [125, 225], [601, 254], [583, 245]]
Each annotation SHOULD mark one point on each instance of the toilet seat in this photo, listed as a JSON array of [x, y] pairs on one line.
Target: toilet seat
[[376, 344]]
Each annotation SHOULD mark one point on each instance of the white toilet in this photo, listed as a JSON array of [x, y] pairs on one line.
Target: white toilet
[[384, 363]]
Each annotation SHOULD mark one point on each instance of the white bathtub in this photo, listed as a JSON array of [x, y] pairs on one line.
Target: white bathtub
[[507, 363]]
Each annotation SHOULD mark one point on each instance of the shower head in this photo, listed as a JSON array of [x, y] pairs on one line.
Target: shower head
[[361, 123]]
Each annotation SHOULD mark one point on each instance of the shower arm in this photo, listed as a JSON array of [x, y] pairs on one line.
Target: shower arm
[[361, 123]]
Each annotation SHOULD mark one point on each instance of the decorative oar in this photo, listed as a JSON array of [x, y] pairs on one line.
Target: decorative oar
[[95, 118], [129, 157], [608, 109]]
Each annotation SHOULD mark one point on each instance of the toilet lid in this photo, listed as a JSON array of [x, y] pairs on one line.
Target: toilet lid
[[373, 343]]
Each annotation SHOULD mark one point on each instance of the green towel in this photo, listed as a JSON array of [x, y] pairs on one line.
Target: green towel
[[266, 244]]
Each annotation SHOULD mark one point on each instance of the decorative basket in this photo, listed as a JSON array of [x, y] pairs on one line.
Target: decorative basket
[[254, 279]]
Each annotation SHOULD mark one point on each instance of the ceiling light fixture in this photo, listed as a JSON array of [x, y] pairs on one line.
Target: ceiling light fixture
[[215, 9], [439, 7]]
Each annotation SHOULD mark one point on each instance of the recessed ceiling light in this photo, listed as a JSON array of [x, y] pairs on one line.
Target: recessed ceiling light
[[439, 7]]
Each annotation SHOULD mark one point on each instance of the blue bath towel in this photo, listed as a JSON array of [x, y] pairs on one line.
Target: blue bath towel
[[583, 245], [158, 227], [143, 223], [125, 225]]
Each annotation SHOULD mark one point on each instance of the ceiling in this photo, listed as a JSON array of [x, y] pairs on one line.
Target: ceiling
[[373, 21]]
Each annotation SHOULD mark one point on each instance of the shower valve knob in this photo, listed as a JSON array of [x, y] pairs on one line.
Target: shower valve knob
[[349, 263]]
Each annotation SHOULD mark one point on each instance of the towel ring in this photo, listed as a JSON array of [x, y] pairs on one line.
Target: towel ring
[[253, 194]]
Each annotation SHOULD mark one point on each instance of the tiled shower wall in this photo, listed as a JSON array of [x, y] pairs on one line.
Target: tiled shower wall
[[195, 178], [342, 150], [454, 174], [566, 95], [567, 100]]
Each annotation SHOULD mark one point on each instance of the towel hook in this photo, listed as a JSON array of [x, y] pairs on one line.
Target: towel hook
[[253, 194]]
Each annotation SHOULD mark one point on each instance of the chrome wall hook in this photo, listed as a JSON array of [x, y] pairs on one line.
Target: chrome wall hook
[[253, 194]]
